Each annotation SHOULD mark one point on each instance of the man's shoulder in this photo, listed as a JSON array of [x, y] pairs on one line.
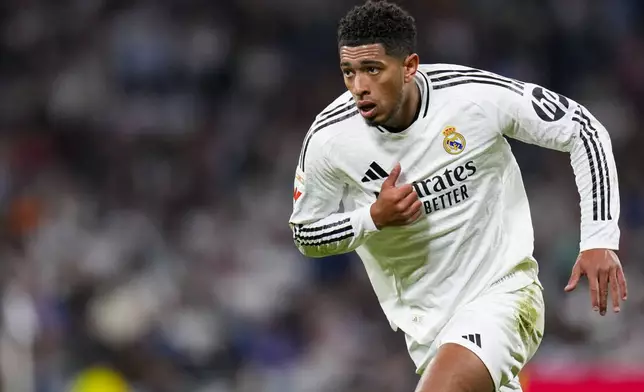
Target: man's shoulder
[[343, 99], [465, 82], [337, 118], [437, 68], [334, 118]]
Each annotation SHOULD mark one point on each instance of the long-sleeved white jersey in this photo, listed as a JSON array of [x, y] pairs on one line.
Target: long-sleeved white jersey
[[475, 226]]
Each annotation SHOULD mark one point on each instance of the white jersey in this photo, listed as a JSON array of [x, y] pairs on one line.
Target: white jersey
[[475, 227]]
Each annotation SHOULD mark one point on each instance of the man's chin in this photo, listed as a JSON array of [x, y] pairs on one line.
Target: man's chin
[[373, 121]]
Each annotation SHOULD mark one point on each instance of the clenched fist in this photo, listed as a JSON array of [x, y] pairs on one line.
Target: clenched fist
[[395, 206]]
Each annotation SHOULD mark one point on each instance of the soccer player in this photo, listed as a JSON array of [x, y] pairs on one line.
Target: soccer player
[[410, 168]]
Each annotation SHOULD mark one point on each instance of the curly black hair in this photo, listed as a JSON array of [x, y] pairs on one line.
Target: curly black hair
[[379, 22]]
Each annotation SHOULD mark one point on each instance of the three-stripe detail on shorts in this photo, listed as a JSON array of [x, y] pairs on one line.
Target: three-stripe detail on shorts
[[474, 338]]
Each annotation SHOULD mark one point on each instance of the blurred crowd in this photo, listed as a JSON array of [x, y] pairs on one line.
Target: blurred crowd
[[147, 155]]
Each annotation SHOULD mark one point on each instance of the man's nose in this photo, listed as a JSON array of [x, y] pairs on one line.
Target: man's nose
[[360, 86]]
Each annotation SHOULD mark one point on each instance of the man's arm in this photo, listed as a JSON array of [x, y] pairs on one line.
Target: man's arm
[[547, 119], [319, 229]]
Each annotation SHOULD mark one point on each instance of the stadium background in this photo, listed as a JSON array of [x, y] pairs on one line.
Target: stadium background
[[147, 154]]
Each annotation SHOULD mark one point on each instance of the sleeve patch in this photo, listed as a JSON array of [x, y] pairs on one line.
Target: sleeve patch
[[549, 106], [298, 184]]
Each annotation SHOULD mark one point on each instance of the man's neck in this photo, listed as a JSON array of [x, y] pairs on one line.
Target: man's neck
[[409, 111]]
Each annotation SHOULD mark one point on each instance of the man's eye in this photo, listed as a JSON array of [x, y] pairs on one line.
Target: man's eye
[[373, 70], [347, 73]]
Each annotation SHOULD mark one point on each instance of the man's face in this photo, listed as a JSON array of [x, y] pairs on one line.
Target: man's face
[[375, 80]]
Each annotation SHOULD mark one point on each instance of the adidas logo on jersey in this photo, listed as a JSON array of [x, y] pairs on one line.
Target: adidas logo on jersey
[[475, 338], [375, 172]]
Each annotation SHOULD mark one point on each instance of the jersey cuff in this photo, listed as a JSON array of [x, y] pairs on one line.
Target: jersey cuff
[[364, 215], [598, 244], [599, 235]]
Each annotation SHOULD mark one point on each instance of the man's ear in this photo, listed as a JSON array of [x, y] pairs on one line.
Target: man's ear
[[410, 65]]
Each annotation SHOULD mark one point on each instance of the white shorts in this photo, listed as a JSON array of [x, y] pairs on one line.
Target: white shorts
[[504, 329]]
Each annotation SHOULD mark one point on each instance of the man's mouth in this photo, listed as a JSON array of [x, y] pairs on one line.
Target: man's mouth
[[366, 108]]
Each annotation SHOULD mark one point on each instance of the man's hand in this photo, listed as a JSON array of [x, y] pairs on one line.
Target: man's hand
[[395, 206], [603, 269]]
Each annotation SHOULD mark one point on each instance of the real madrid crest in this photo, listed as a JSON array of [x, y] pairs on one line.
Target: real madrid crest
[[454, 142]]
